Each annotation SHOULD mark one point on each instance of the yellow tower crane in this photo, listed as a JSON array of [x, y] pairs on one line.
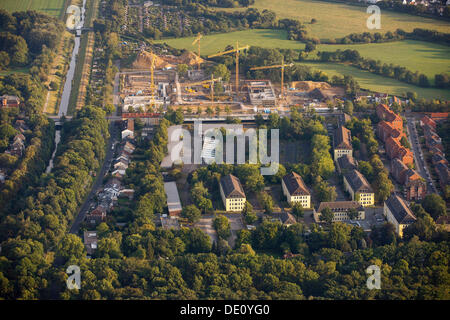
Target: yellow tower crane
[[152, 80], [236, 51], [197, 41], [282, 66], [211, 86]]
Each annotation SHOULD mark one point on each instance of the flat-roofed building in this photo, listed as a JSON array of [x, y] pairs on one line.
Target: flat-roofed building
[[173, 199], [342, 142], [358, 187], [398, 213], [232, 193], [90, 241], [295, 190], [128, 131], [340, 210]]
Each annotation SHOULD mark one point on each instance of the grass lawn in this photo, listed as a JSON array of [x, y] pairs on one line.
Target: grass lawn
[[427, 58], [51, 7], [15, 70], [210, 44], [378, 83], [338, 20]]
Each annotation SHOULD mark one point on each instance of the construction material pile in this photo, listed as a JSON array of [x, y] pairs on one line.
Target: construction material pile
[[309, 85]]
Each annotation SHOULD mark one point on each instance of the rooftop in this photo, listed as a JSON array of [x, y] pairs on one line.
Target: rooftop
[[340, 205], [295, 185], [232, 187], [358, 182], [173, 199], [401, 212], [343, 138]]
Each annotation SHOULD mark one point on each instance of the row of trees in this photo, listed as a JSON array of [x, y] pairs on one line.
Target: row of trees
[[32, 232], [399, 34], [205, 20]]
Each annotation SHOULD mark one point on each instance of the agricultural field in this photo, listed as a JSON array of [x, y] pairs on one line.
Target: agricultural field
[[338, 20], [210, 44], [376, 82], [427, 58], [51, 7]]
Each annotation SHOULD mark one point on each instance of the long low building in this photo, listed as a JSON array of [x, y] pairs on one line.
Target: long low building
[[173, 199], [341, 210]]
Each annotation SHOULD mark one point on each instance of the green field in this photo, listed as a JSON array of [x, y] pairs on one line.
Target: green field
[[427, 58], [51, 7], [338, 20], [210, 44], [377, 83]]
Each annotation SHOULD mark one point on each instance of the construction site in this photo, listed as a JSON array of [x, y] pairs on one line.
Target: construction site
[[156, 82]]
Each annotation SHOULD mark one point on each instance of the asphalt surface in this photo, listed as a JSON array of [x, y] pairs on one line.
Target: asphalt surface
[[418, 155], [98, 181]]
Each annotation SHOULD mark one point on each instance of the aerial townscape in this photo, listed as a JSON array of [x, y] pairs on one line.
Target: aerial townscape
[[134, 138]]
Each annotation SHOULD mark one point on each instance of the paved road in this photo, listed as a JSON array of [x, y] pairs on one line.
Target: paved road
[[97, 183], [418, 155]]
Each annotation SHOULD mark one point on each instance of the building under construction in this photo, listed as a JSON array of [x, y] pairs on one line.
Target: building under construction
[[261, 93]]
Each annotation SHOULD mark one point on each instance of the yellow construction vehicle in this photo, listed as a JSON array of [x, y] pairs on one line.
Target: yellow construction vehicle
[[197, 41], [205, 82], [236, 51], [282, 66]]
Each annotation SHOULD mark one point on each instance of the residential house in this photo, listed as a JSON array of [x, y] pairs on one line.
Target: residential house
[[386, 114], [394, 149], [232, 193], [358, 187], [398, 213], [18, 146], [414, 186], [97, 215], [287, 219], [90, 241], [121, 164], [342, 143], [7, 101], [129, 193], [295, 190], [128, 131], [443, 174], [427, 121], [340, 210]]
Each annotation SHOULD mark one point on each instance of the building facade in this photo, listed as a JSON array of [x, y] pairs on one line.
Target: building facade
[[341, 209], [358, 187], [295, 190], [342, 142], [232, 193], [398, 213]]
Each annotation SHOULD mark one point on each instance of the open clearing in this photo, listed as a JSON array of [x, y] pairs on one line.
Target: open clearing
[[50, 7], [427, 58], [266, 38], [338, 20], [377, 83]]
